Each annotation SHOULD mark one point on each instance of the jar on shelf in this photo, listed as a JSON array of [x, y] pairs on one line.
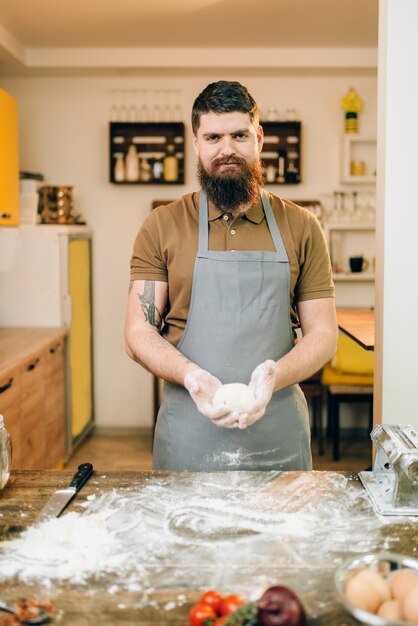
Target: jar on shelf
[[157, 169], [5, 454], [145, 170], [119, 169]]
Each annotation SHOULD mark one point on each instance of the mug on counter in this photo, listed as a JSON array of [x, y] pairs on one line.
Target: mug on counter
[[358, 264]]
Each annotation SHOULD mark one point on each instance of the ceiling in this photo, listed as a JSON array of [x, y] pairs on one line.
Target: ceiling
[[33, 32]]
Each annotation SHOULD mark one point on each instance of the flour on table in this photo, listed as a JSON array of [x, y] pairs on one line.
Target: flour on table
[[187, 527]]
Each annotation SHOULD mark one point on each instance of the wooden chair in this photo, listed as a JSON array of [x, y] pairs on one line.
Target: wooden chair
[[347, 378], [312, 388]]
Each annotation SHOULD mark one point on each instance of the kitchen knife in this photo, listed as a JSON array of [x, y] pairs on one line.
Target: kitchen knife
[[60, 498]]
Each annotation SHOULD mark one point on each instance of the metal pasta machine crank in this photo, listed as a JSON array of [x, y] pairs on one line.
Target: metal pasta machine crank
[[393, 484]]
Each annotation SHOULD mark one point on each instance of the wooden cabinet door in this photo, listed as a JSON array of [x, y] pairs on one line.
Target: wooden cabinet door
[[10, 409], [33, 444], [55, 431], [9, 162]]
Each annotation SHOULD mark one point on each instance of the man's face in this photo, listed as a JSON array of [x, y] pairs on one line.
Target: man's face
[[224, 140]]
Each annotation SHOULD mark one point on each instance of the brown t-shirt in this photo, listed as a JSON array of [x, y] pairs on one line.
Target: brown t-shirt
[[166, 246]]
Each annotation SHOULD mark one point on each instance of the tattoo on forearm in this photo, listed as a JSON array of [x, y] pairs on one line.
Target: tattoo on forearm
[[147, 300]]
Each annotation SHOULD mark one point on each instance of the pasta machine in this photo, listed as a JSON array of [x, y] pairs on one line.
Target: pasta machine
[[393, 484]]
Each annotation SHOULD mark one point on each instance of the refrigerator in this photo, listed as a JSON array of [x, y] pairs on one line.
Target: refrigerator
[[46, 281]]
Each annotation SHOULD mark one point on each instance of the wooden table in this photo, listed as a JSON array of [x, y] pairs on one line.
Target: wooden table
[[358, 324], [239, 532]]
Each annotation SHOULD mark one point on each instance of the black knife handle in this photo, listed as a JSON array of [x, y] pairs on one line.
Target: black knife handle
[[85, 470]]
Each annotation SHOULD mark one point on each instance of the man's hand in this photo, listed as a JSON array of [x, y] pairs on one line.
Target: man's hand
[[202, 387], [262, 385]]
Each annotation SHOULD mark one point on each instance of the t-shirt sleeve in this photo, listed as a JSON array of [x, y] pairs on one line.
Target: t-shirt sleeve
[[148, 260], [315, 275]]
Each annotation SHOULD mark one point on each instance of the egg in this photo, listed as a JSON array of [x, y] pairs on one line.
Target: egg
[[391, 610], [362, 594], [402, 581], [377, 581], [410, 605], [236, 396]]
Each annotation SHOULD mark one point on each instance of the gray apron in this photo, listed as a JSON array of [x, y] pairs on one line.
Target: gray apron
[[239, 316]]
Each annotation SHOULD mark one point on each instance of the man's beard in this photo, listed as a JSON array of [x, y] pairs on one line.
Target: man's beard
[[232, 189]]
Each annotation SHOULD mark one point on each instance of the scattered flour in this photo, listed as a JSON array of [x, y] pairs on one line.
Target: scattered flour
[[198, 527]]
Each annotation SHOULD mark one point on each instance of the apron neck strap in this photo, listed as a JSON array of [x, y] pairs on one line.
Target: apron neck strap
[[203, 223]]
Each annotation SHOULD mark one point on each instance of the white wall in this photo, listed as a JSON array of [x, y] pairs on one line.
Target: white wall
[[64, 134], [397, 217]]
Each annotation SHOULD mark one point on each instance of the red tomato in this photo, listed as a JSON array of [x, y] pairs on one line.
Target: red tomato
[[220, 621], [199, 613], [229, 604], [213, 598]]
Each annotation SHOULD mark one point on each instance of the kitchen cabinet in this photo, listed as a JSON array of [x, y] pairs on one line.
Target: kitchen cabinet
[[32, 395], [53, 273], [358, 155], [32, 412], [9, 161], [10, 409], [146, 153], [55, 422]]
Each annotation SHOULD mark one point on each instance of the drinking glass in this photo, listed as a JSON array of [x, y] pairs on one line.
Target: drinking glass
[[132, 113], [167, 109], [114, 109], [123, 110], [157, 106], [177, 112], [143, 109]]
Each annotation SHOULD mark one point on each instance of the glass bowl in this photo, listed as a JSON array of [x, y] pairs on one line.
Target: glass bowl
[[382, 563]]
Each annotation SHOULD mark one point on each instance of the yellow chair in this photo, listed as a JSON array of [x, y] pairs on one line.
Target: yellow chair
[[348, 377]]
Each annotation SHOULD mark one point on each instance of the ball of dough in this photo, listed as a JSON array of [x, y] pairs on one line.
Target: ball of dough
[[236, 396]]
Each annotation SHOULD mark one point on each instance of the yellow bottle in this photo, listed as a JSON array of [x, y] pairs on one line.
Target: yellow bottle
[[170, 165]]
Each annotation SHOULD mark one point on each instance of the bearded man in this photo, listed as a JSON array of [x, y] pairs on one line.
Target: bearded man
[[220, 280]]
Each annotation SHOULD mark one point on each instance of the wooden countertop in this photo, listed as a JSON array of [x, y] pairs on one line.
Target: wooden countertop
[[18, 344], [358, 324], [186, 532]]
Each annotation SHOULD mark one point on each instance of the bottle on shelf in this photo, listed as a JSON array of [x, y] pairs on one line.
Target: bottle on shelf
[[119, 169], [131, 164], [171, 165], [5, 454]]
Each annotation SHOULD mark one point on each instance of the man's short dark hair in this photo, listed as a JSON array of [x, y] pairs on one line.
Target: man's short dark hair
[[224, 96]]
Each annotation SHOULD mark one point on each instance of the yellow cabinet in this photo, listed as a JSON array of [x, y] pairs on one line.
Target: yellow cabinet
[[9, 162], [80, 338]]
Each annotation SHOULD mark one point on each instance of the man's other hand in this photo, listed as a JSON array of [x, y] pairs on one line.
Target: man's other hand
[[262, 385]]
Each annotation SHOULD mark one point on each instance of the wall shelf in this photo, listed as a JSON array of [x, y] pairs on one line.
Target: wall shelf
[[152, 141], [281, 155], [350, 239], [347, 277], [353, 226], [358, 148]]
